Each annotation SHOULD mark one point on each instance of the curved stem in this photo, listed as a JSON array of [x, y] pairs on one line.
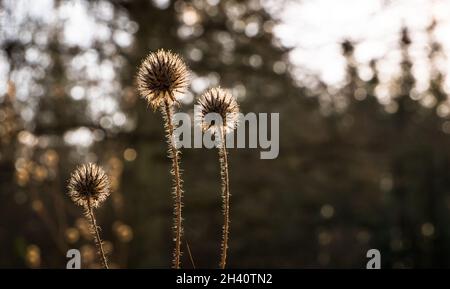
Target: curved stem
[[223, 158], [98, 240], [174, 154]]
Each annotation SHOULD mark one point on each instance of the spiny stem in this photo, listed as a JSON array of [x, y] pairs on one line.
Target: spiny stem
[[174, 155], [223, 158], [98, 240]]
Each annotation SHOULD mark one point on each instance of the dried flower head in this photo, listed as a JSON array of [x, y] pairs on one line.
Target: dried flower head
[[220, 101], [89, 183], [162, 76]]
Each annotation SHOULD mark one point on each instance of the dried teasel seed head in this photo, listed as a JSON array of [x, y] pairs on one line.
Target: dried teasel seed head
[[220, 101], [162, 76], [89, 184]]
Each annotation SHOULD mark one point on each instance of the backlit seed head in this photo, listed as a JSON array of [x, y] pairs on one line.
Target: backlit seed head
[[89, 184], [220, 101], [162, 77]]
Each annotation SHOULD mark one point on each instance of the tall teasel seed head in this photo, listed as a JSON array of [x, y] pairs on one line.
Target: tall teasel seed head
[[220, 101], [89, 184], [162, 76]]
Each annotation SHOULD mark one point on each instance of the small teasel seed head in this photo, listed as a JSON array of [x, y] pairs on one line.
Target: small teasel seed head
[[162, 77], [220, 101], [89, 183]]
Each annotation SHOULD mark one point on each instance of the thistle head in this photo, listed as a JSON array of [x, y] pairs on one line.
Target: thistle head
[[162, 77], [219, 101], [89, 185]]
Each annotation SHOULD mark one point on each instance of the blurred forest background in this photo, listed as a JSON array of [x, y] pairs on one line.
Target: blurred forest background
[[355, 171]]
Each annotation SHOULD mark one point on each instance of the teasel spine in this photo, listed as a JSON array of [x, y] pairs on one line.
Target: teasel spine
[[174, 155], [98, 241], [223, 159]]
